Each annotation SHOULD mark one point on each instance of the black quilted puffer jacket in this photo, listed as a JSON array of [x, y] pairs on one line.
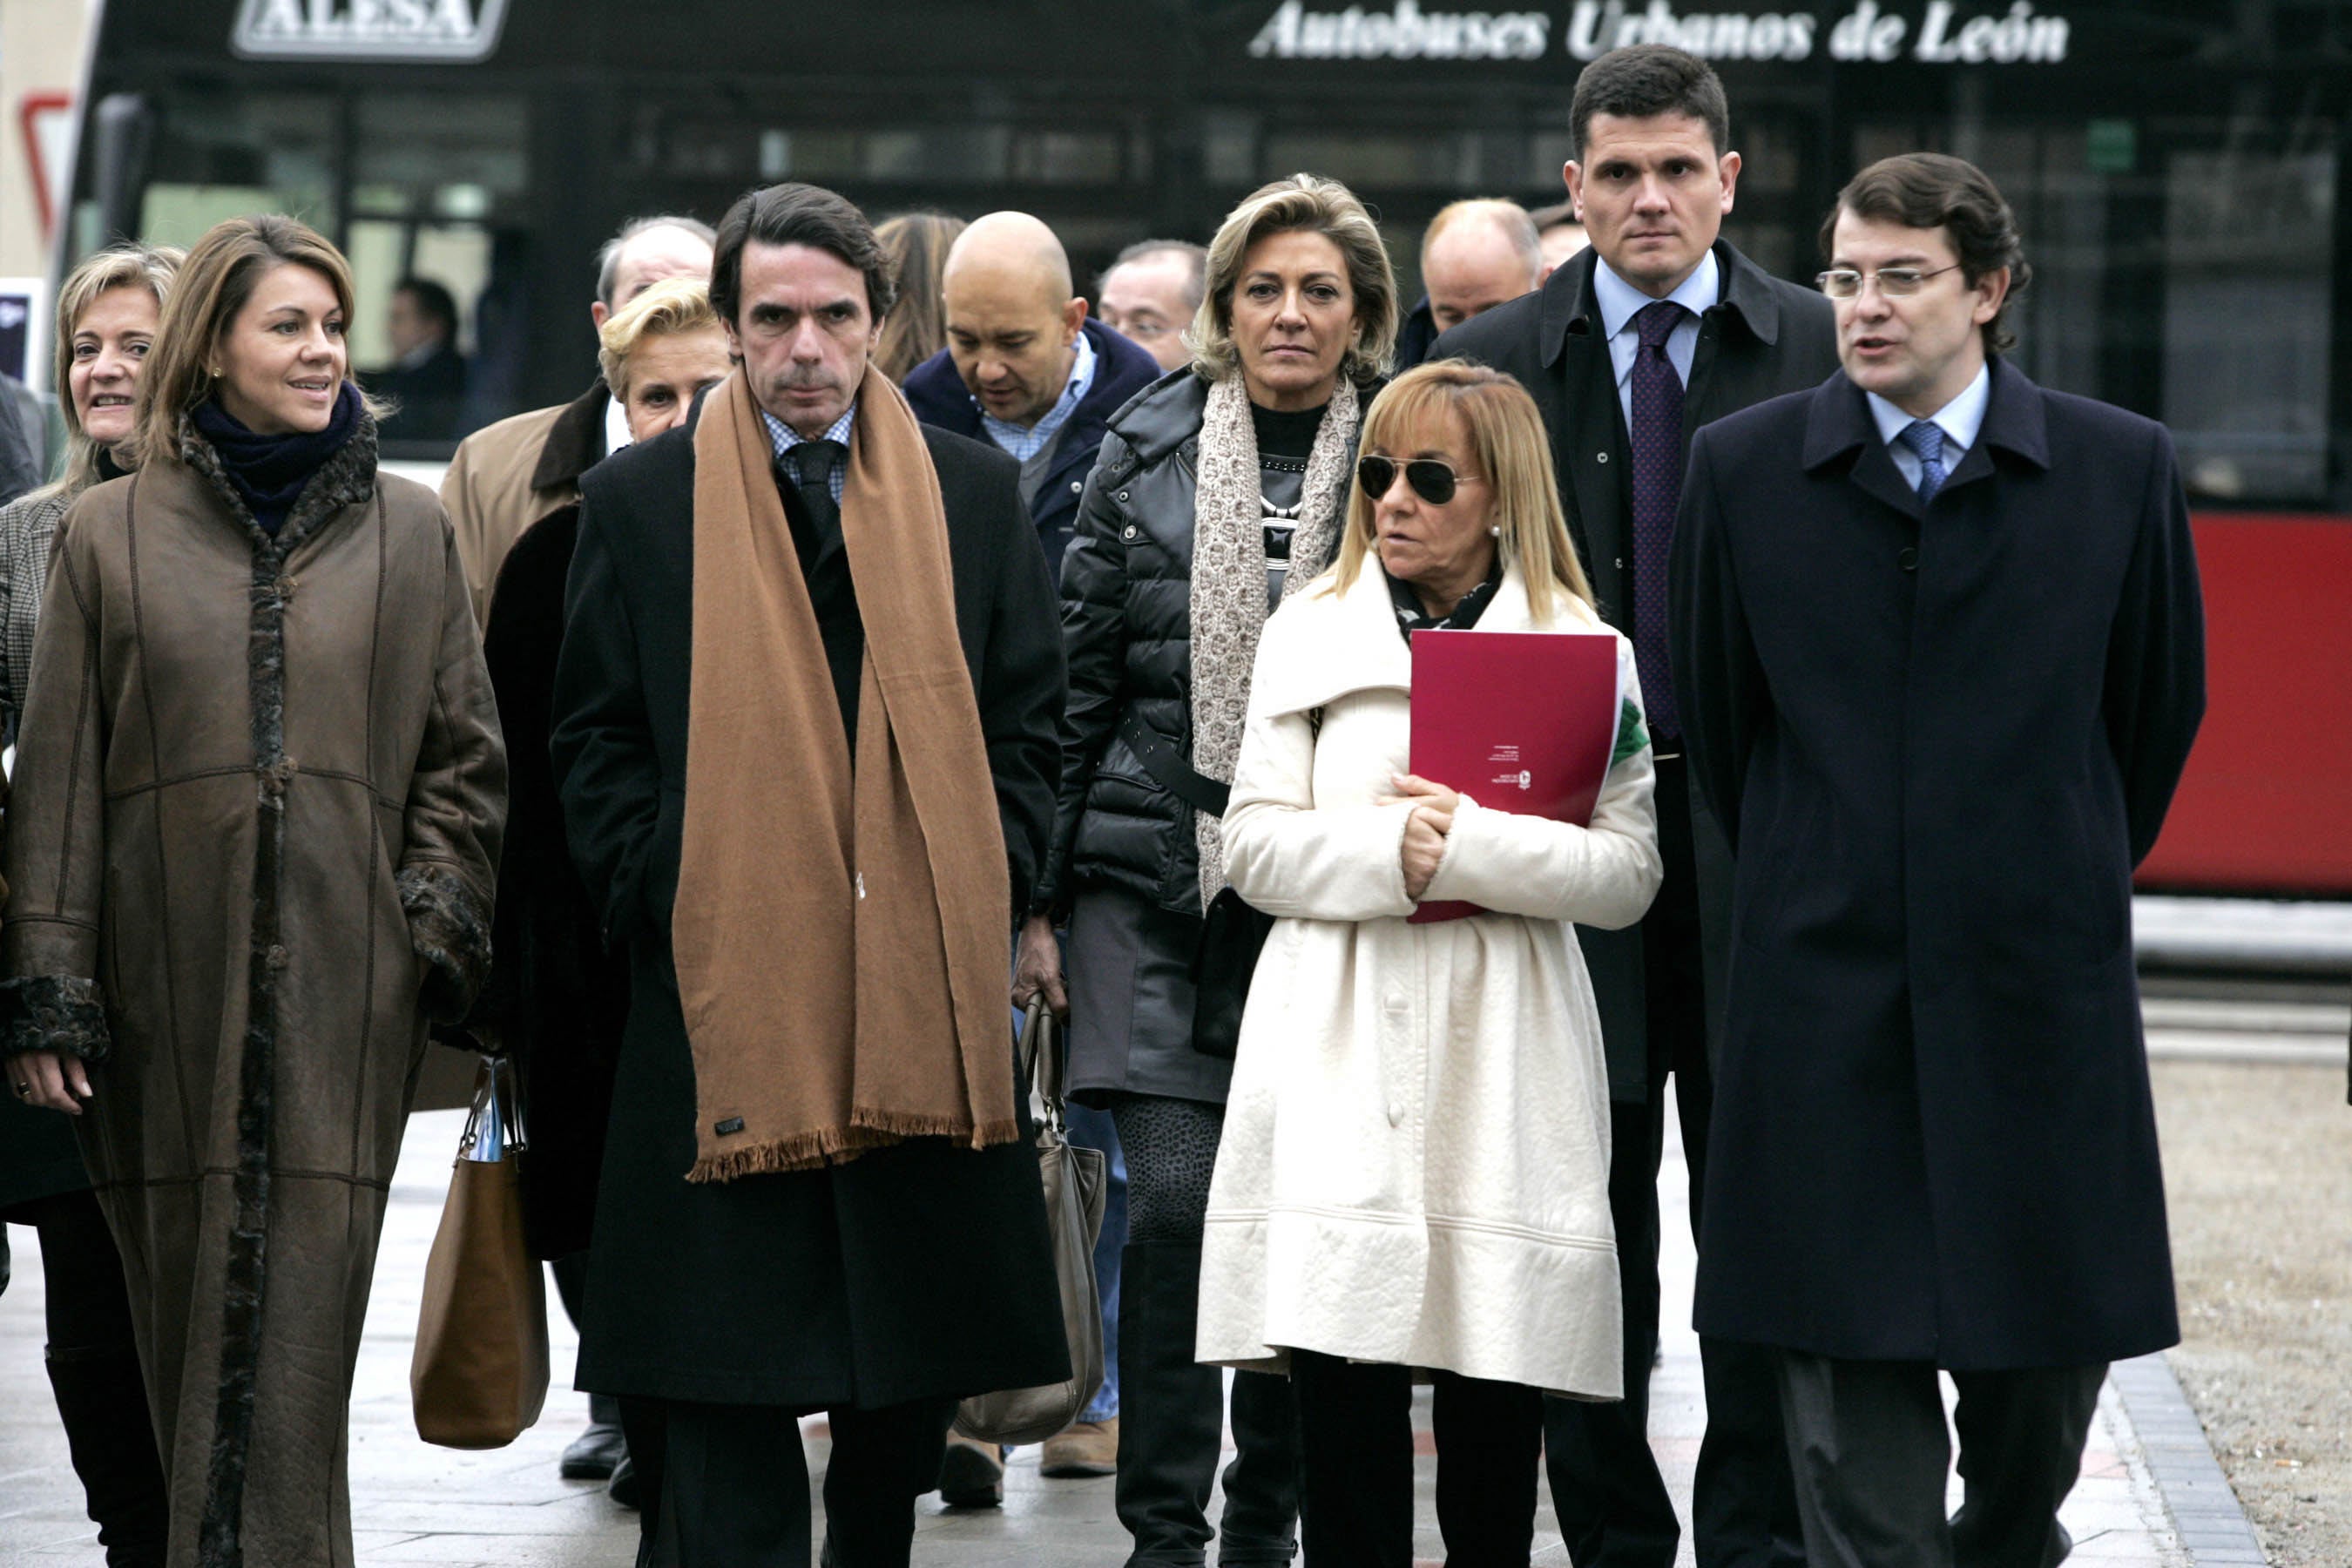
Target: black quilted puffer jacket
[[1126, 634]]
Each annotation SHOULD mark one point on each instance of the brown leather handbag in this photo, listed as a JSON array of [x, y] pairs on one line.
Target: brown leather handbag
[[479, 1374], [1075, 1186]]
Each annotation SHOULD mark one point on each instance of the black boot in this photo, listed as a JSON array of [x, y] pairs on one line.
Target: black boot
[[102, 1400], [1171, 1408], [1261, 1523]]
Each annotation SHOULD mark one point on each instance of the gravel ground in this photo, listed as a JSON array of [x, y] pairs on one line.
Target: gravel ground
[[2258, 1167]]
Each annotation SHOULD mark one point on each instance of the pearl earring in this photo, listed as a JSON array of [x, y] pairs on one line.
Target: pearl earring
[[1495, 529]]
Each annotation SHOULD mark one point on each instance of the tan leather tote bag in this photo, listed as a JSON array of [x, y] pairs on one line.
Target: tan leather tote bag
[[479, 1374], [1076, 1185]]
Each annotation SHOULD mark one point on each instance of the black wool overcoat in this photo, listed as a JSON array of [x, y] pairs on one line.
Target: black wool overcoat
[[915, 1271], [554, 1002], [1763, 339], [1940, 738]]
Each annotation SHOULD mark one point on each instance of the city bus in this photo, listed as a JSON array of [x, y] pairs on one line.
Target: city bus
[[2182, 173]]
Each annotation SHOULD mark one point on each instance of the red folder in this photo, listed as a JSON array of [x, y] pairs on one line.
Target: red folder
[[1522, 722]]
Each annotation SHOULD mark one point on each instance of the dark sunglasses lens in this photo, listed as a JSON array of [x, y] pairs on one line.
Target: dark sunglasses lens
[[1431, 480]]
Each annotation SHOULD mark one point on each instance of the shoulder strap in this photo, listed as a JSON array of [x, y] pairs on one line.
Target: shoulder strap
[[1175, 776]]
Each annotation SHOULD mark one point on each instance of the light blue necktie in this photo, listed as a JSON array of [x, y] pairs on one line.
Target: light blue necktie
[[1925, 440]]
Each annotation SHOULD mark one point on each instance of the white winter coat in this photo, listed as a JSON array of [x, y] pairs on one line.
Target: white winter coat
[[1415, 1162]]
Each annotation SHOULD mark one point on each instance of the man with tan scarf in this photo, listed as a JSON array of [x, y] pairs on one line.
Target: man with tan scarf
[[816, 1194]]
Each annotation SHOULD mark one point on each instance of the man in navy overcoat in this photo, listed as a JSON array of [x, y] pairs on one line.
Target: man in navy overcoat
[[1939, 646]]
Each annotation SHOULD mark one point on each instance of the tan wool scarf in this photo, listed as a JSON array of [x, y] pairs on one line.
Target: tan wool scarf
[[840, 931]]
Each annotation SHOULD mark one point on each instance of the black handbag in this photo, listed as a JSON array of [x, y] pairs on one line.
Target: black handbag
[[1232, 933], [1231, 936]]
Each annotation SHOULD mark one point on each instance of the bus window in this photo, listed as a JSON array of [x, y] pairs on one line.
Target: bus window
[[2246, 329]]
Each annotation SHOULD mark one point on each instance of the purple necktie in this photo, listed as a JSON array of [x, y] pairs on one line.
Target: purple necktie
[[1657, 436]]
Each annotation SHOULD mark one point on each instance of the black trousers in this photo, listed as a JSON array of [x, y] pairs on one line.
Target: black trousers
[[1355, 1426], [86, 1303], [1612, 1504], [726, 1486], [571, 1273], [1868, 1444], [93, 1366]]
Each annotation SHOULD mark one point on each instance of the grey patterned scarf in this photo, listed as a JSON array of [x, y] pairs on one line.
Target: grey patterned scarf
[[1228, 586]]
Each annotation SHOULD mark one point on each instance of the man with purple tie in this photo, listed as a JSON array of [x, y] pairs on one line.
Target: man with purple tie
[[1629, 347]]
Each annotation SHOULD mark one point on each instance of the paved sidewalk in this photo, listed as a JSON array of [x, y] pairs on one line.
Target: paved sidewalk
[[416, 1504]]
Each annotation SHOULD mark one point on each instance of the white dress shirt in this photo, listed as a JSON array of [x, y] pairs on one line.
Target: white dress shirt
[[1621, 302], [1959, 420], [616, 427]]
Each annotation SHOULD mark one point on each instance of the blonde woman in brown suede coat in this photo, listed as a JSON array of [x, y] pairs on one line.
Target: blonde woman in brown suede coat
[[252, 846]]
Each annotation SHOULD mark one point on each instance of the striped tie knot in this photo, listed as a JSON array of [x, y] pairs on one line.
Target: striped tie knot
[[1925, 440]]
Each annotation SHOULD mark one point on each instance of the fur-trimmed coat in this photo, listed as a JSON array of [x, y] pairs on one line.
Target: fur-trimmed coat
[[254, 831]]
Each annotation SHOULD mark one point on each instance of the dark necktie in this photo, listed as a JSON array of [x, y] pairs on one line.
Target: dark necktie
[[1657, 436], [1925, 440], [811, 465]]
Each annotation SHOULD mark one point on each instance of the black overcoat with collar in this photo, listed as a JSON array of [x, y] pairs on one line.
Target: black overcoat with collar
[[1940, 738], [1765, 338], [915, 1270]]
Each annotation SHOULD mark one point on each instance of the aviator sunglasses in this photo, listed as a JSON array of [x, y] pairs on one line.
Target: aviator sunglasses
[[1431, 480]]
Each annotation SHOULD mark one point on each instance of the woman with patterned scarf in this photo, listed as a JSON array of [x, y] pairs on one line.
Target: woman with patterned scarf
[[1219, 491]]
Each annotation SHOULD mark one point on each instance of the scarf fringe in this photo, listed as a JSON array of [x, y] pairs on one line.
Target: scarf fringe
[[868, 1129]]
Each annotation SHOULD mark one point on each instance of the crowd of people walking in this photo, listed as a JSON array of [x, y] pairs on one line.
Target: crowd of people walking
[[886, 618]]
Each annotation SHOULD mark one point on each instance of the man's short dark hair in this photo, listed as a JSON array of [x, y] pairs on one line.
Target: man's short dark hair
[[1934, 190], [1642, 79], [434, 302], [797, 214]]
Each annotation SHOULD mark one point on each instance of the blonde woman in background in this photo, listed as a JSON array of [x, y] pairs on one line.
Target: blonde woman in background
[[1416, 1167], [108, 313], [661, 352], [917, 326]]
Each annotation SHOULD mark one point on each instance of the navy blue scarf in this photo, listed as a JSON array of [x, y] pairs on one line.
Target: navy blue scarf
[[269, 471]]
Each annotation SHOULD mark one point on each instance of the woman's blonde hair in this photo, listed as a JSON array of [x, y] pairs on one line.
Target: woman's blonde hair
[[673, 305], [1301, 203], [1508, 442], [214, 283], [117, 266], [917, 326]]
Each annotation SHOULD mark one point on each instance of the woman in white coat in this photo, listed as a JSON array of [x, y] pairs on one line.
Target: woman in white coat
[[1415, 1166]]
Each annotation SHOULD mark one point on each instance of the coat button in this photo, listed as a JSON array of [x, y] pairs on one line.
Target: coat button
[[1077, 487], [1395, 1004], [1396, 1112], [1122, 495], [285, 586], [1599, 457], [1908, 558], [1128, 532]]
